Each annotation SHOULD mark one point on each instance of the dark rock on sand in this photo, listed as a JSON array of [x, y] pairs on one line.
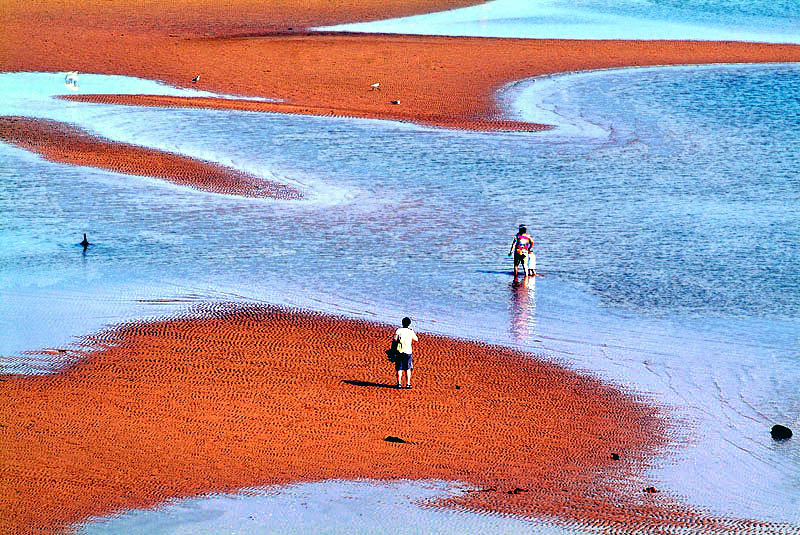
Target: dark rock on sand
[[780, 432]]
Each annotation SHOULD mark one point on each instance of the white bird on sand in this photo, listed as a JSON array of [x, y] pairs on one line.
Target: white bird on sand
[[375, 86], [196, 78], [71, 80]]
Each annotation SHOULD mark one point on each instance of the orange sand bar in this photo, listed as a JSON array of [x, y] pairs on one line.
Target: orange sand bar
[[443, 81], [245, 397], [246, 47], [249, 396], [65, 143]]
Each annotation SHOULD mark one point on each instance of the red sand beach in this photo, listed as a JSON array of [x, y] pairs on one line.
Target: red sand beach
[[330, 74], [65, 143], [439, 81], [251, 49], [241, 397]]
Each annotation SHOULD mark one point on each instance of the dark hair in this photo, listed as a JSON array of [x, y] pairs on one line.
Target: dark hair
[[522, 229], [406, 322]]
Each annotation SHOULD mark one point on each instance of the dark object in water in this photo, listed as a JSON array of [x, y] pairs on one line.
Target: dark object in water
[[399, 440], [780, 432], [615, 456], [85, 242]]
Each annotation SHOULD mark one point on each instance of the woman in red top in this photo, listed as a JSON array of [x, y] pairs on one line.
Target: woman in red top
[[522, 248]]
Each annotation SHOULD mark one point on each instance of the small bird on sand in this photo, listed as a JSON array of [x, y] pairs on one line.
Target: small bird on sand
[[375, 87], [196, 78]]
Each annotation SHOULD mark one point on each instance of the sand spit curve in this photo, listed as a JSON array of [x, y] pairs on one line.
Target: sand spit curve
[[441, 81], [245, 396], [237, 397], [61, 142], [428, 119], [263, 49]]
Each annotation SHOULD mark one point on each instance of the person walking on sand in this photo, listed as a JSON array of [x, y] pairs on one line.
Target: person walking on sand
[[404, 363], [522, 249]]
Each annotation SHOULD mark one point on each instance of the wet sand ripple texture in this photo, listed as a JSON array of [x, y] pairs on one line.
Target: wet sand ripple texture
[[62, 142], [236, 397], [331, 74], [242, 397], [441, 81], [246, 48]]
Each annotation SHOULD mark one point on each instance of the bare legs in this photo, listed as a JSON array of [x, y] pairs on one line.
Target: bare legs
[[400, 378], [530, 264]]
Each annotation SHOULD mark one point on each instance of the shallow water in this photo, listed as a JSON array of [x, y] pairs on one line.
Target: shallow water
[[665, 210], [347, 506], [617, 208]]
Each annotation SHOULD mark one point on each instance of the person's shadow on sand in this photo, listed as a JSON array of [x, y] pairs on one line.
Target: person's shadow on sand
[[368, 383]]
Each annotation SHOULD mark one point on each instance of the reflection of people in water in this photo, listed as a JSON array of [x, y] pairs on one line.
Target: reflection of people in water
[[523, 307], [522, 249]]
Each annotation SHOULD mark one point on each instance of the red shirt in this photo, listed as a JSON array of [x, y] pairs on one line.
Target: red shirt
[[524, 243]]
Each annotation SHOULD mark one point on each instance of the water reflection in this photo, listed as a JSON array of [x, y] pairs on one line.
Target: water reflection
[[523, 307]]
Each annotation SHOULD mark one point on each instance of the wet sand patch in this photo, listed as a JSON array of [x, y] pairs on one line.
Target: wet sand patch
[[247, 396], [62, 142], [441, 81]]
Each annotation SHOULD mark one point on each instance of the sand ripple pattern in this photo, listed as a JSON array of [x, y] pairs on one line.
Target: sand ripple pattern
[[234, 396], [66, 143]]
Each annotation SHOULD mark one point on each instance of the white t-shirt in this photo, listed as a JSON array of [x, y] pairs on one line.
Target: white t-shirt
[[405, 335]]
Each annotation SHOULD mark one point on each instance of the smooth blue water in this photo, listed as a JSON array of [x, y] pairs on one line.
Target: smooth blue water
[[720, 20], [702, 185]]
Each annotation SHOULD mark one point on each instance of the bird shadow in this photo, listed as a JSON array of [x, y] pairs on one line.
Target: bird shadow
[[368, 383]]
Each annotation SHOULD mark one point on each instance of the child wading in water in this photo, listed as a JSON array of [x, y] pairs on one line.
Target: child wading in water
[[522, 249], [404, 335]]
